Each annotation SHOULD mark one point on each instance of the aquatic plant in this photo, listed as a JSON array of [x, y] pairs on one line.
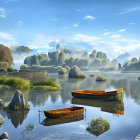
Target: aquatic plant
[[98, 126], [95, 75], [47, 84], [101, 78], [81, 75], [62, 71]]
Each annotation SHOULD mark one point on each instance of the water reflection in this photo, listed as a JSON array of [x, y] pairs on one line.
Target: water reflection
[[17, 117], [69, 119], [40, 97], [115, 107]]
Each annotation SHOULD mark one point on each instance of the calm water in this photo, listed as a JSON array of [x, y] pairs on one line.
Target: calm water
[[27, 125]]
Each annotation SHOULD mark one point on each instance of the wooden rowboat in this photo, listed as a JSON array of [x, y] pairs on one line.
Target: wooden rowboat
[[64, 112], [62, 120], [99, 94]]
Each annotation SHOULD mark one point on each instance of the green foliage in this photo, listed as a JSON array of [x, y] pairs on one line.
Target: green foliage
[[81, 75], [24, 67], [98, 126], [48, 84], [14, 82], [3, 65], [10, 69], [101, 78], [5, 55], [62, 71], [68, 68], [95, 75]]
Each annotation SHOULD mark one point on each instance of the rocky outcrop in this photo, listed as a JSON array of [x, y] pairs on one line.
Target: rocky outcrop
[[76, 73], [4, 136], [18, 102]]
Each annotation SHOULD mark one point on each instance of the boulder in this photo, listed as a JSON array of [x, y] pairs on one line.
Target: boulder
[[18, 102], [4, 136], [74, 72]]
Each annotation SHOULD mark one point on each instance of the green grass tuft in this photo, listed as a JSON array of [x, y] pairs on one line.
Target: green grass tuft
[[81, 75], [48, 84], [14, 82], [98, 126]]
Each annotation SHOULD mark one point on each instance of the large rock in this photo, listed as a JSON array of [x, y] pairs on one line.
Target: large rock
[[4, 136], [74, 72], [1, 120], [18, 102]]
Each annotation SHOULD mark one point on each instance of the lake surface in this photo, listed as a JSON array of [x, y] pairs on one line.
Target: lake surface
[[27, 125]]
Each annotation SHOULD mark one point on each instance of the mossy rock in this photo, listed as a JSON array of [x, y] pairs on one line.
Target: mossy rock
[[62, 71]]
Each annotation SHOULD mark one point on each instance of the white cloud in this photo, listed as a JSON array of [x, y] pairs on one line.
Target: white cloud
[[85, 38], [42, 41], [82, 126], [20, 23], [131, 23], [113, 45], [7, 39], [126, 11], [89, 17], [2, 13], [55, 19], [121, 30], [115, 36], [107, 33], [75, 25]]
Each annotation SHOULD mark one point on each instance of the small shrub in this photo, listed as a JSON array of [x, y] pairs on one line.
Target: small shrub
[[62, 71], [95, 75], [81, 75], [98, 126], [10, 69], [24, 67], [101, 78]]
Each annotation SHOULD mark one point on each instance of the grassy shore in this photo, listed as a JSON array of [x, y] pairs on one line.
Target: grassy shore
[[22, 84]]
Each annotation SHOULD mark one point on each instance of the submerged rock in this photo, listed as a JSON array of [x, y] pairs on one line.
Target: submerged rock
[[4, 136], [76, 73], [18, 102]]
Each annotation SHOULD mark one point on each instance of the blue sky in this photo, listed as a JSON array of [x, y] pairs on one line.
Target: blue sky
[[107, 25]]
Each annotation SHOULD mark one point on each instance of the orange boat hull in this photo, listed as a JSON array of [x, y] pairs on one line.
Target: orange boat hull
[[64, 112]]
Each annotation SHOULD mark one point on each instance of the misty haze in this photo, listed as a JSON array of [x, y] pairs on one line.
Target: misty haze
[[69, 70]]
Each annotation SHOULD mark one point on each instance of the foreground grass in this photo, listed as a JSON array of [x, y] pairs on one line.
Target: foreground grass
[[21, 84], [14, 82]]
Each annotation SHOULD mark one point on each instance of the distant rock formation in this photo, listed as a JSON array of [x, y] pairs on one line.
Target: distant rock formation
[[18, 102]]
